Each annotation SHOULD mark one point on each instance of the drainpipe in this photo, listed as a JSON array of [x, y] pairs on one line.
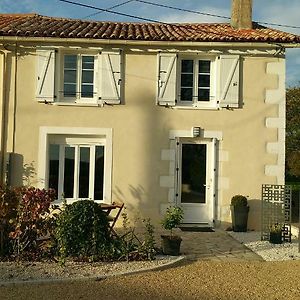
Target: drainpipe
[[3, 118]]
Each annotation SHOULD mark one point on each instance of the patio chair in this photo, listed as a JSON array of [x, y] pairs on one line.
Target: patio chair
[[113, 217]]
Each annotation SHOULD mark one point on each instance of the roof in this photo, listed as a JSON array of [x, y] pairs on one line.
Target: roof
[[34, 25]]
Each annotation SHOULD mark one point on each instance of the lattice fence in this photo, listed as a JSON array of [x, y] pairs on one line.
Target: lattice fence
[[276, 208]]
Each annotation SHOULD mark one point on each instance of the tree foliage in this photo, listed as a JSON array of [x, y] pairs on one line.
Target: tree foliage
[[293, 131]]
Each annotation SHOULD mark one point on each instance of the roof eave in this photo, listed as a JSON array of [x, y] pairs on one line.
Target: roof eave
[[147, 43]]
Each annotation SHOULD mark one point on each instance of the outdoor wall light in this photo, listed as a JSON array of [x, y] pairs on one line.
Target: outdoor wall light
[[196, 131]]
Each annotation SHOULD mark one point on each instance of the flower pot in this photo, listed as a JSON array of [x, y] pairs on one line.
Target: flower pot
[[276, 237], [171, 244], [239, 215]]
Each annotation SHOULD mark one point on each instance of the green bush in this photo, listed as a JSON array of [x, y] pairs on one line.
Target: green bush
[[239, 200], [172, 218], [82, 231]]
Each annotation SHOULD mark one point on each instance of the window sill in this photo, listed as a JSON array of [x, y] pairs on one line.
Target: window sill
[[80, 104], [70, 201], [196, 107]]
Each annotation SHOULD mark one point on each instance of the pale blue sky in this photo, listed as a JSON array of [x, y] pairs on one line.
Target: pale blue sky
[[274, 11]]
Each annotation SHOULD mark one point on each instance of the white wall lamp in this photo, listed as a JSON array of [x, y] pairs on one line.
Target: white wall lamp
[[196, 131]]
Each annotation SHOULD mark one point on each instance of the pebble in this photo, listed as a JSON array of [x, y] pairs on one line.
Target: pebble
[[268, 251]]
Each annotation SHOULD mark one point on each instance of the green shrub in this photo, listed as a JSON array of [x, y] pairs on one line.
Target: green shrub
[[172, 218], [82, 231], [239, 200]]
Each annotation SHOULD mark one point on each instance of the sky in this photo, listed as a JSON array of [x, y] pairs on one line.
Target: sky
[[273, 11]]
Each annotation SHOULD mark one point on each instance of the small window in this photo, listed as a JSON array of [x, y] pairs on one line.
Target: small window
[[196, 82], [78, 77]]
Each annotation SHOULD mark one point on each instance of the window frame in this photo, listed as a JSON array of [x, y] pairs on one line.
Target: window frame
[[60, 77], [77, 144], [91, 135], [212, 103]]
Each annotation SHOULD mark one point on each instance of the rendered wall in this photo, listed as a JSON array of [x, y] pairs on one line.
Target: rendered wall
[[141, 133]]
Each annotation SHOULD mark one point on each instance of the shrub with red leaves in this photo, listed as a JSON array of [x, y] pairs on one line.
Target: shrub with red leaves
[[32, 221]]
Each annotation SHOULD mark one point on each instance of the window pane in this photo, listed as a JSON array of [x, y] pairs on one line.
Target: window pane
[[69, 90], [87, 91], [70, 76], [70, 62], [203, 94], [53, 167], [187, 80], [84, 172], [88, 62], [204, 80], [204, 66], [69, 172], [87, 77], [186, 94], [99, 173], [187, 66]]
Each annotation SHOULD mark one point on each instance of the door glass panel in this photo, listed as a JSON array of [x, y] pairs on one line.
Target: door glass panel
[[69, 172], [193, 173], [99, 173], [53, 167], [84, 172]]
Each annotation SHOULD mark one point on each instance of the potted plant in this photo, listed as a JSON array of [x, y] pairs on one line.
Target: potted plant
[[276, 234], [172, 218], [239, 213]]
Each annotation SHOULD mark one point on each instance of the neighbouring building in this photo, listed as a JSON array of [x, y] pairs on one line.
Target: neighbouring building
[[151, 114]]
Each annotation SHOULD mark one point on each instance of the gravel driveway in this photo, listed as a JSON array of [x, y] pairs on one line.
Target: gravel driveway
[[194, 280]]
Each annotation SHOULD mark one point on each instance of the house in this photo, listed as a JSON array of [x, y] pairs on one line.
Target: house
[[151, 114]]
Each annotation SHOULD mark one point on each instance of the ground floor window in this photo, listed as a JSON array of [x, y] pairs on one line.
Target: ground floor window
[[76, 171]]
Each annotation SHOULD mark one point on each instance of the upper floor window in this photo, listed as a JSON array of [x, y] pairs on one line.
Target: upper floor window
[[196, 84], [79, 76], [198, 81]]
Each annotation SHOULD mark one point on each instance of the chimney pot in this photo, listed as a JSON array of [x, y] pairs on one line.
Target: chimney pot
[[241, 14]]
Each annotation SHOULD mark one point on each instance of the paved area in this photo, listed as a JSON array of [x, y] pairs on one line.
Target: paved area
[[215, 246]]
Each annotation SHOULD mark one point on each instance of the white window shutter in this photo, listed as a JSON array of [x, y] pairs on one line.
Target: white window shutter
[[229, 81], [45, 74], [110, 77], [166, 92]]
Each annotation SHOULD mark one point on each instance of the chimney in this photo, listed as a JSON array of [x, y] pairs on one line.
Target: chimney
[[241, 14]]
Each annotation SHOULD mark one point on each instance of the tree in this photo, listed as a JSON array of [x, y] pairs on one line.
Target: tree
[[293, 131]]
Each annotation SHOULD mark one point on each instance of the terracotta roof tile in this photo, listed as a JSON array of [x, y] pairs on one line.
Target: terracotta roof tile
[[41, 26]]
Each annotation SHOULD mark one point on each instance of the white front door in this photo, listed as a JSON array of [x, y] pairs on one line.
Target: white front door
[[196, 182]]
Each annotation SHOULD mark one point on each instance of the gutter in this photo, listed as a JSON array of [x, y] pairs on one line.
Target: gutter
[[148, 43]]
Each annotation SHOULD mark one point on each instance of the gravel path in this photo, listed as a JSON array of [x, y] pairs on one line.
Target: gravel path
[[197, 280], [268, 251]]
